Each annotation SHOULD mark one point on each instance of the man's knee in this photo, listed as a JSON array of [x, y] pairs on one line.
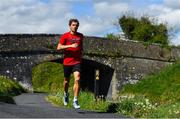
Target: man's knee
[[66, 81], [76, 75], [77, 80]]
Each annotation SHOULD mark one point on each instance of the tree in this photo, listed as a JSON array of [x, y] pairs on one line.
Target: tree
[[144, 29], [128, 25]]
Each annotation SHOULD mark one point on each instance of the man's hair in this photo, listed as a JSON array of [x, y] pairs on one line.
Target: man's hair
[[73, 20]]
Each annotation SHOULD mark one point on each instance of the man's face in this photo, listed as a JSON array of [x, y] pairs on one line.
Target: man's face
[[74, 26]]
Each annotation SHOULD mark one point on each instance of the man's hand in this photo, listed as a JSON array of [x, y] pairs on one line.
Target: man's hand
[[74, 45], [60, 46]]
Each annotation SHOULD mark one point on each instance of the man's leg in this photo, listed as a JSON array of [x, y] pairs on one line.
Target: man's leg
[[67, 73], [76, 83], [66, 84], [76, 89], [66, 94]]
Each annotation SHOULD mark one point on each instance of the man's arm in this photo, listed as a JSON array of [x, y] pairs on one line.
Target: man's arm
[[61, 47]]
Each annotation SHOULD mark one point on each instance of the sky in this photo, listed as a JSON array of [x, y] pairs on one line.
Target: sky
[[97, 17]]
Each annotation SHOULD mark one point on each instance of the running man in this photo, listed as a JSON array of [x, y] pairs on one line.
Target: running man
[[71, 43]]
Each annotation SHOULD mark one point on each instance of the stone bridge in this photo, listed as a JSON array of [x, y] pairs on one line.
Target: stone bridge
[[118, 62]]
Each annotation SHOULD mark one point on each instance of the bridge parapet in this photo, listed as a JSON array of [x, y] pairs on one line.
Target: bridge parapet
[[120, 48]]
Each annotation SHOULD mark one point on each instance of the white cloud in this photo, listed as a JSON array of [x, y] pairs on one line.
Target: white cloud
[[176, 40], [175, 4], [172, 19], [95, 27], [157, 9], [113, 1], [4, 4], [32, 16], [106, 14], [114, 9]]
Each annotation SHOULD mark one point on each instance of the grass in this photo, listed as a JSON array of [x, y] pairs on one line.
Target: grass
[[8, 89], [156, 96], [162, 87], [86, 100]]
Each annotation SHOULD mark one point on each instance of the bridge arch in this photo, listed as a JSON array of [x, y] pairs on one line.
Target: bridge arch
[[88, 80]]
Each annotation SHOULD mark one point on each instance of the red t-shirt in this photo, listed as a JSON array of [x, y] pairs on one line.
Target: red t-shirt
[[72, 56]]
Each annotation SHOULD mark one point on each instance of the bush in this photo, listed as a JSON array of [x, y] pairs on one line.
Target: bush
[[9, 87], [111, 36], [144, 30]]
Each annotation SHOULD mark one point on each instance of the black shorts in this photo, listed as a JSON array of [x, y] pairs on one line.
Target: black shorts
[[70, 69]]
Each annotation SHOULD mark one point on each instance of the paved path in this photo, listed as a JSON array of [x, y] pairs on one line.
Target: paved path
[[33, 105]]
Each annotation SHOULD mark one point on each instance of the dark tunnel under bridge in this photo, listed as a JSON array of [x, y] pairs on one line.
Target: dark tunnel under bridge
[[95, 77]]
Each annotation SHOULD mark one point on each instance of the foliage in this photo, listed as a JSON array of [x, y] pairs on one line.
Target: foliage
[[84, 97], [9, 88], [144, 30], [140, 106], [128, 25], [47, 77], [157, 95], [150, 87], [111, 36]]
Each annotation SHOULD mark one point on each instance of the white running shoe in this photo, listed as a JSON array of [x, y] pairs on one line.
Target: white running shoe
[[66, 99], [76, 105]]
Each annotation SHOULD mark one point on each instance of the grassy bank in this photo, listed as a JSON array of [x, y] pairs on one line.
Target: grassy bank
[[155, 96], [8, 89]]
